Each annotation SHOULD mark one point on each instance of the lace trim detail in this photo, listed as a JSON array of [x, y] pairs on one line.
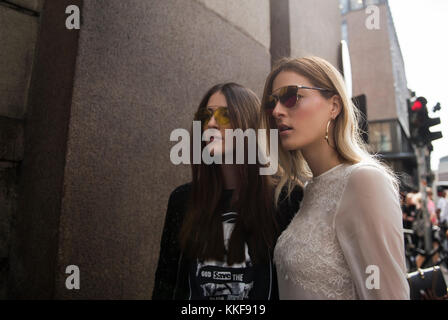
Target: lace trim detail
[[308, 252]]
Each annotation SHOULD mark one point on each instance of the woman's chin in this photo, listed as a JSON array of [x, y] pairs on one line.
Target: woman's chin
[[293, 143], [288, 145]]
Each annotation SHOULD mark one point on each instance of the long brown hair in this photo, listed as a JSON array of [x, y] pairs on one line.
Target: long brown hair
[[201, 235]]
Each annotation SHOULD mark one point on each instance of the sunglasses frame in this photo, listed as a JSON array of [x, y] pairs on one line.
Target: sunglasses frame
[[277, 98], [210, 114]]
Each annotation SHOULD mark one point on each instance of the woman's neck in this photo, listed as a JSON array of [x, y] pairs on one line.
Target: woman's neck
[[320, 157]]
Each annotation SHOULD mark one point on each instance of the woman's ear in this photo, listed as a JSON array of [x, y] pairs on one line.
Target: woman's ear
[[336, 106]]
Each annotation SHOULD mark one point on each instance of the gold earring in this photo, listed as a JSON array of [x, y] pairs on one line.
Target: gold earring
[[326, 133]]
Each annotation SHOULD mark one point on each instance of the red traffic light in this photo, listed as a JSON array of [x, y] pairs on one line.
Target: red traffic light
[[417, 105]]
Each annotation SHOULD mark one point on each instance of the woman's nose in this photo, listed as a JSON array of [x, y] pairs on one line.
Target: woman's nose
[[212, 123], [279, 110]]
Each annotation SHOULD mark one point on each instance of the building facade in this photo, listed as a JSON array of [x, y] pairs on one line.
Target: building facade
[[378, 72]]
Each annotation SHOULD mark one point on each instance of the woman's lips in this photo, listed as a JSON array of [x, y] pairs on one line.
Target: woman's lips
[[285, 132]]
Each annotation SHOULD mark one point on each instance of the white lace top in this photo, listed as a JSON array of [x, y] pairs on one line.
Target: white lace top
[[350, 218]]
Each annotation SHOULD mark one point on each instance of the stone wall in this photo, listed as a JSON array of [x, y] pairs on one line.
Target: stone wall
[[19, 23], [95, 177]]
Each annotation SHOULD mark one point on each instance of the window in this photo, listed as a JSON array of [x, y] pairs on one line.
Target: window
[[356, 4], [344, 6], [371, 2], [380, 137]]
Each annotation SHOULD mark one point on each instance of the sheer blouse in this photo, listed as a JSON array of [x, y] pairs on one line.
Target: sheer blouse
[[346, 241]]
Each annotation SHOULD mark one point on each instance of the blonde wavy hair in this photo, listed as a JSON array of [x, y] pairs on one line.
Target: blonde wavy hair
[[293, 168]]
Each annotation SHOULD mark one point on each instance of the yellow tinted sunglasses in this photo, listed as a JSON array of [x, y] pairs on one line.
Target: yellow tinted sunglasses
[[221, 115]]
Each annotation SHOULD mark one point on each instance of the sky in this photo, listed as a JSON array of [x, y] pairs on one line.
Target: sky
[[422, 30]]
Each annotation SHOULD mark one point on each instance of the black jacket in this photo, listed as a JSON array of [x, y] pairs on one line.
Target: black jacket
[[171, 278]]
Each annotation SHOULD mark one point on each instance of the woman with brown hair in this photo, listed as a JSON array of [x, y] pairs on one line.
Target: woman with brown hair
[[220, 229], [346, 241]]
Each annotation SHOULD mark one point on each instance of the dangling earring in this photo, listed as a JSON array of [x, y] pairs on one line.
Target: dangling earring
[[326, 133]]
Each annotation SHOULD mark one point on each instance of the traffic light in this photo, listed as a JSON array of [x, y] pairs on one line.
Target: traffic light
[[420, 122], [417, 116]]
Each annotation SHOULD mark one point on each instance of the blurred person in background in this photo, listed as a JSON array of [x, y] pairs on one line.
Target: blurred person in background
[[431, 207], [409, 210], [442, 214], [442, 207]]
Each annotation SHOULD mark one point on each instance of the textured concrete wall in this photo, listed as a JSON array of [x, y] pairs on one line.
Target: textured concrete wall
[[19, 22], [306, 27], [96, 174], [34, 236], [18, 34], [280, 30], [142, 68], [34, 5], [371, 60], [315, 29], [8, 202], [249, 16], [11, 153]]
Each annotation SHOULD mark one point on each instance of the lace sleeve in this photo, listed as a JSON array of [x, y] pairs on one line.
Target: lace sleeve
[[369, 229]]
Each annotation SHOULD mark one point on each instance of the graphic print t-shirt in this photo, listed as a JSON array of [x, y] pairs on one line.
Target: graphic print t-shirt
[[216, 280]]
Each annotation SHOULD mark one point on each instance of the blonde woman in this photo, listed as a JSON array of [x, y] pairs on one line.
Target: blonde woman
[[346, 241]]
